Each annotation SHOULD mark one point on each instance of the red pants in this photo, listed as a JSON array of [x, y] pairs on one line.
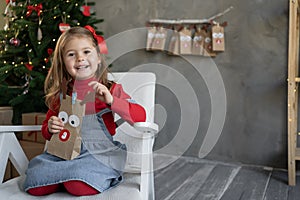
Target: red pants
[[76, 188]]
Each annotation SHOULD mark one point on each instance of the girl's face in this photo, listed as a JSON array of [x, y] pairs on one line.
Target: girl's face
[[81, 58]]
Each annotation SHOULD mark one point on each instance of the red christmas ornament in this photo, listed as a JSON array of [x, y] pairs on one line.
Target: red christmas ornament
[[64, 27], [29, 66], [49, 51], [14, 41], [86, 10]]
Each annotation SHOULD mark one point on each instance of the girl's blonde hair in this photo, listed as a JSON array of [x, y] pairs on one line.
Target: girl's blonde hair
[[58, 72]]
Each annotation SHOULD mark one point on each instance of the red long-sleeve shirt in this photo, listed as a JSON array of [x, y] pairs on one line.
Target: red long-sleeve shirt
[[126, 109]]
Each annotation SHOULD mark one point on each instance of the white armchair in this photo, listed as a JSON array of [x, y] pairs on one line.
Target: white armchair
[[139, 139]]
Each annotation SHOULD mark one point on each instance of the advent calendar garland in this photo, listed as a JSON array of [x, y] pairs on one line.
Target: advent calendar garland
[[204, 37]]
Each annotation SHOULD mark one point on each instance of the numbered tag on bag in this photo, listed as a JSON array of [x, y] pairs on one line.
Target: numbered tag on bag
[[218, 38], [185, 41]]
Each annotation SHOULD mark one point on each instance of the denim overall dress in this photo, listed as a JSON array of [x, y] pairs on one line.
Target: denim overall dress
[[100, 164]]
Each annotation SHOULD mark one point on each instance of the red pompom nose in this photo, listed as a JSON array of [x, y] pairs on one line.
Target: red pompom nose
[[64, 135]]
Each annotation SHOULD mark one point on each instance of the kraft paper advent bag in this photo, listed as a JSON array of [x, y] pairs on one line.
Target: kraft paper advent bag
[[218, 38], [159, 39], [198, 42], [150, 37], [67, 143], [174, 43], [185, 41], [208, 44]]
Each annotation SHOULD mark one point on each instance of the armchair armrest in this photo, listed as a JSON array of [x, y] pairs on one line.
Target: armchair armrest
[[146, 127], [19, 128], [147, 175], [10, 147]]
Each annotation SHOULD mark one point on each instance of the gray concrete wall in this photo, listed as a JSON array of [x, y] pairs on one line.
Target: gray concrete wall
[[253, 70]]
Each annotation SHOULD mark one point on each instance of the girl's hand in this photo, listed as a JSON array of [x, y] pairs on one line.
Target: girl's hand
[[102, 92], [55, 125]]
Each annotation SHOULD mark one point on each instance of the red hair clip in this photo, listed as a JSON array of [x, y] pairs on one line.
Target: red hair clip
[[99, 38]]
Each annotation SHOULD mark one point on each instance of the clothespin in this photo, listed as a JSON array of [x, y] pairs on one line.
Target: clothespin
[[74, 97]]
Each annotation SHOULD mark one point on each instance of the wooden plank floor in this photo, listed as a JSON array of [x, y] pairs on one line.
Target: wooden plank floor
[[197, 179]]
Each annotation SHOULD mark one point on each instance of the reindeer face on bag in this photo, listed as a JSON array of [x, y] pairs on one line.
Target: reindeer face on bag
[[218, 38], [185, 41], [67, 143], [71, 114]]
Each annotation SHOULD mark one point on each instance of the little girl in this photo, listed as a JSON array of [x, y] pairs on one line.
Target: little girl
[[78, 59]]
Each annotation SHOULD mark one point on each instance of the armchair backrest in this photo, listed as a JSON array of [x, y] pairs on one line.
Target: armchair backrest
[[141, 87]]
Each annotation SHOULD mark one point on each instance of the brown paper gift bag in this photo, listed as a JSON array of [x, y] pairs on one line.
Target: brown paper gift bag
[[150, 37], [198, 42], [218, 38], [67, 143], [174, 43], [159, 39], [185, 41], [208, 44]]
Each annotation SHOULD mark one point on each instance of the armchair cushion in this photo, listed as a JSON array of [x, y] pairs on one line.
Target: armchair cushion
[[10, 190]]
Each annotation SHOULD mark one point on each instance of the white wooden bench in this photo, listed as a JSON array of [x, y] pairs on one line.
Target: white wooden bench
[[139, 139]]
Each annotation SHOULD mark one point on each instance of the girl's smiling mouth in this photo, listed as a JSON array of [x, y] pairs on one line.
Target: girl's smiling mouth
[[82, 67]]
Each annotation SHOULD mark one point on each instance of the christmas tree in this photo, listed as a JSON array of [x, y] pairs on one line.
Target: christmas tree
[[26, 44]]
